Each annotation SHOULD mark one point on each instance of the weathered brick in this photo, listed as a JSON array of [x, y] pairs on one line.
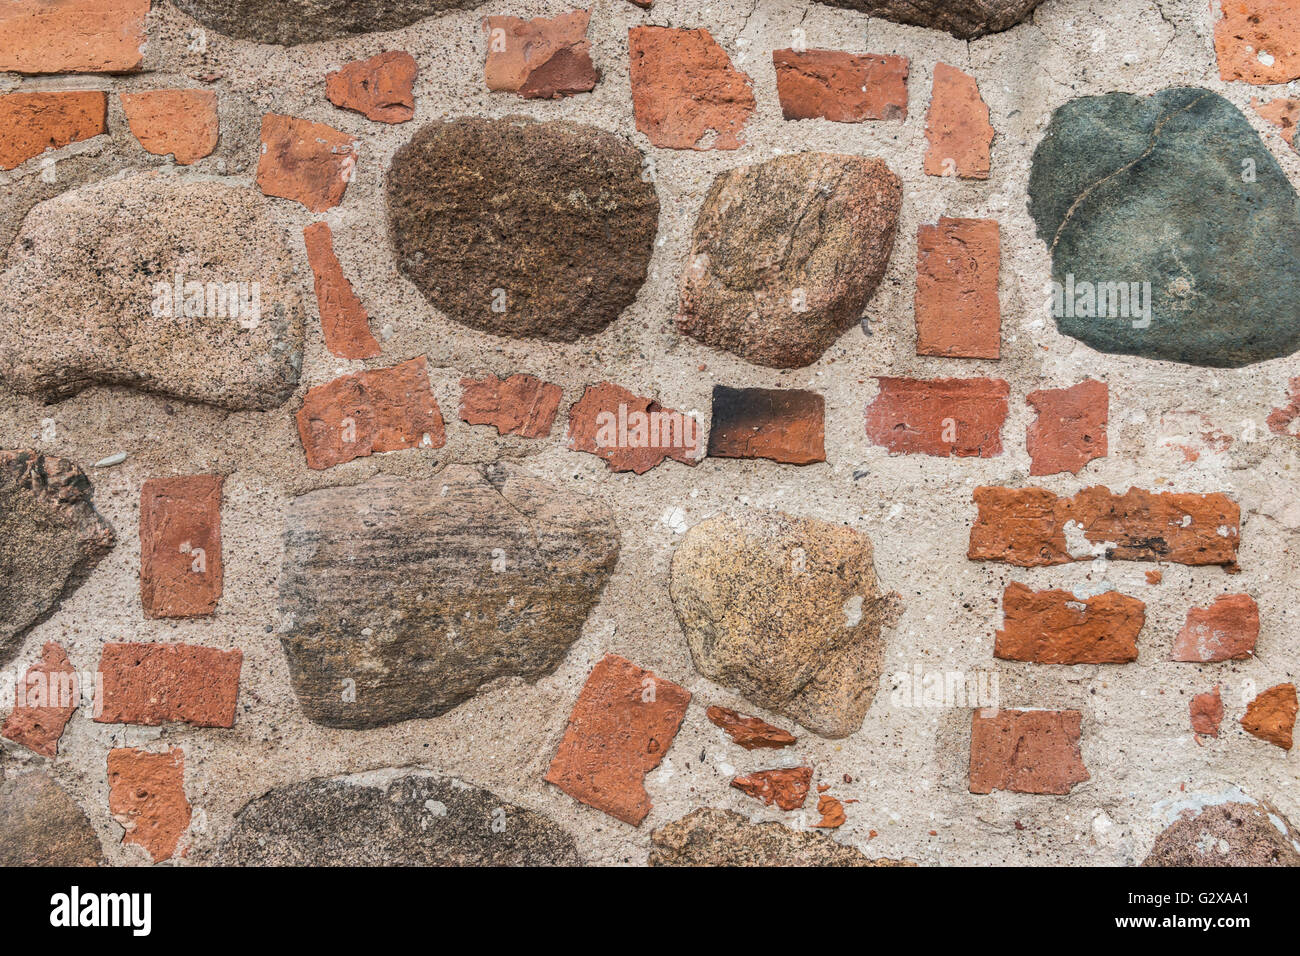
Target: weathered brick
[[1283, 113], [1258, 41], [72, 36], [146, 795], [540, 58], [183, 123], [1224, 631], [1207, 713], [749, 732], [944, 417], [519, 405], [1271, 715], [153, 684], [1281, 420], [621, 727], [180, 546], [379, 88], [343, 318], [630, 432], [1055, 627], [1070, 428], [386, 409], [1026, 751], [44, 702], [840, 87], [958, 313], [783, 424], [957, 128], [31, 123], [307, 162], [785, 787], [832, 813]]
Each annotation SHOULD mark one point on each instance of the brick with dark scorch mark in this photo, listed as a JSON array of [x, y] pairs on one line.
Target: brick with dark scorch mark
[[782, 424]]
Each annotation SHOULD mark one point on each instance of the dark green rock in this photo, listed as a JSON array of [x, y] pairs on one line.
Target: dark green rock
[[1177, 190]]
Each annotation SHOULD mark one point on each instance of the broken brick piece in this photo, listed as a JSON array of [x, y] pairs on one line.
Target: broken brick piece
[[832, 812], [1032, 527], [945, 417], [1055, 627], [343, 318], [958, 313], [1026, 751], [542, 58], [621, 727], [1271, 715], [1258, 41], [72, 36], [749, 732], [1207, 713], [146, 795], [519, 405], [152, 684], [840, 87], [630, 432], [1224, 631], [685, 92], [1283, 113], [385, 409], [957, 127], [783, 424], [786, 787], [1280, 420], [44, 702], [310, 163], [1070, 429], [31, 123], [183, 123], [379, 88], [180, 546]]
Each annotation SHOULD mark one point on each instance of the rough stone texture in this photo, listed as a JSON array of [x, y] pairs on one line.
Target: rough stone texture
[[521, 405], [1026, 751], [146, 795], [368, 413], [749, 732], [89, 295], [1031, 527], [45, 699], [620, 729], [422, 591], [396, 817], [1283, 113], [549, 224], [964, 19], [783, 424], [958, 313], [708, 837], [1271, 715], [1206, 712], [787, 788], [944, 417], [1227, 834], [181, 567], [685, 92], [1258, 41], [1128, 189], [31, 123], [307, 162], [290, 22], [183, 123], [379, 88], [1055, 627], [43, 826], [1070, 429], [72, 36], [343, 318], [840, 87], [1224, 631], [51, 538], [153, 684], [787, 611], [958, 133], [629, 432], [787, 253], [540, 58]]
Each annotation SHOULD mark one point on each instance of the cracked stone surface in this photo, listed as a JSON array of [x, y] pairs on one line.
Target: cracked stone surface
[[290, 22], [964, 19], [1227, 834]]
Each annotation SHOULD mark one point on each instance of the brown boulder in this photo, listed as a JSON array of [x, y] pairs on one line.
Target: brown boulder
[[708, 837], [1233, 833]]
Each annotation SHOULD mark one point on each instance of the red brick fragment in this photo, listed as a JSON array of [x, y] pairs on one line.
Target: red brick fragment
[[153, 684], [1283, 113], [840, 87], [1258, 41], [621, 727], [958, 313], [787, 788], [749, 732], [181, 122], [782, 424], [1070, 429], [44, 702], [1207, 713], [307, 162], [1155, 577], [343, 318], [685, 92], [1026, 751], [1224, 631], [386, 409], [520, 405], [832, 812], [630, 432], [957, 127], [540, 58], [380, 88], [146, 795], [1055, 627], [1271, 715], [1032, 527], [1280, 420], [944, 417], [31, 123], [72, 36], [180, 546]]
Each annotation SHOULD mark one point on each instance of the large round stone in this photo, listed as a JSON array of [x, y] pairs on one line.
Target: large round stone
[[305, 21]]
